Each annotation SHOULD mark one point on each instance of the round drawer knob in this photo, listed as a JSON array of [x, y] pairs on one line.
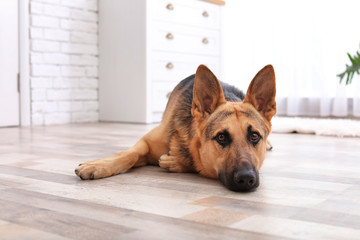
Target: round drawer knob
[[169, 36], [170, 6], [205, 14], [205, 41], [169, 65]]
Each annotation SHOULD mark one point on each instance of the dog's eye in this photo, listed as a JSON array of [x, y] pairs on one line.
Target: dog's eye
[[253, 137], [223, 138]]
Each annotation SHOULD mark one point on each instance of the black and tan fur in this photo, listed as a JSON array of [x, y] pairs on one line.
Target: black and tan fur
[[208, 127]]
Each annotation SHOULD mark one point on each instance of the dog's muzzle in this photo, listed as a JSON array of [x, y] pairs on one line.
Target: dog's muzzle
[[241, 179]]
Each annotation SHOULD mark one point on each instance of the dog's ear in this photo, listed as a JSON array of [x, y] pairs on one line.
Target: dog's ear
[[261, 92], [208, 94]]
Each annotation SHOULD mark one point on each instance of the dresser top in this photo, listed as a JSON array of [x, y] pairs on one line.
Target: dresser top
[[219, 2]]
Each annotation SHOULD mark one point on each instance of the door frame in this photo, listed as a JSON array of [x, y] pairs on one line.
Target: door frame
[[24, 63]]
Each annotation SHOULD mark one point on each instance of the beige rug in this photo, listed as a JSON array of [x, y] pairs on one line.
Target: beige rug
[[324, 127]]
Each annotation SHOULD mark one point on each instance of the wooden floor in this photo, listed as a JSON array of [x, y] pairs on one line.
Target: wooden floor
[[310, 189]]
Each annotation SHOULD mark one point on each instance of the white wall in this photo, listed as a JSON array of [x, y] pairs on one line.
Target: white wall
[[306, 41], [63, 61]]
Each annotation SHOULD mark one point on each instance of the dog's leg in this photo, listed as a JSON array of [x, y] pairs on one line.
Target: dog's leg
[[146, 150], [177, 159], [116, 164]]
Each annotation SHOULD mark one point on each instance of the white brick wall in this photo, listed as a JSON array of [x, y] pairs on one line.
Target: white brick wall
[[64, 61]]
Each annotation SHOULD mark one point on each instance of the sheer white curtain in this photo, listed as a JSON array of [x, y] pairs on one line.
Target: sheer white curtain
[[306, 42]]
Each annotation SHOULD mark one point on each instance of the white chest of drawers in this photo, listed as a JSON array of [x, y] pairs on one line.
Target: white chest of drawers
[[146, 48]]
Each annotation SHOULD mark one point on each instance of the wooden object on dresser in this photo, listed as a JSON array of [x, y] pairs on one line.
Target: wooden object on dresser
[[147, 47]]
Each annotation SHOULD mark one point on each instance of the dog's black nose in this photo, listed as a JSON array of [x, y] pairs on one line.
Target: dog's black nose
[[245, 179]]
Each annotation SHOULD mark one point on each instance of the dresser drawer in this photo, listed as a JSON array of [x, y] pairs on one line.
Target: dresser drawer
[[160, 93], [175, 67], [185, 39], [166, 40], [189, 12]]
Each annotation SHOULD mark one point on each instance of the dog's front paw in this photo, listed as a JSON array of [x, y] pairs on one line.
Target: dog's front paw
[[170, 163], [92, 171], [269, 146]]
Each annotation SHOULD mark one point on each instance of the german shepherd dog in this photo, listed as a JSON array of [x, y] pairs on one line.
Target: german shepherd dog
[[208, 127]]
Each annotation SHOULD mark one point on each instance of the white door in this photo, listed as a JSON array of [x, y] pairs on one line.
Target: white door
[[9, 63]]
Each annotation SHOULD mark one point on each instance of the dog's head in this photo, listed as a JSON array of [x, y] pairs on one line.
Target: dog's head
[[233, 135]]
